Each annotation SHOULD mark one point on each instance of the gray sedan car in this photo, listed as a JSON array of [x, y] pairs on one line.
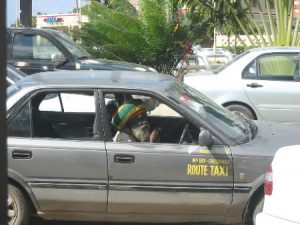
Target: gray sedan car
[[63, 163]]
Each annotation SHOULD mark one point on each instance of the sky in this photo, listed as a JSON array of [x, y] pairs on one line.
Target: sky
[[44, 6]]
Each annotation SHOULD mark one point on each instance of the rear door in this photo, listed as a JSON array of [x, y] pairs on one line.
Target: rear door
[[56, 146], [272, 84]]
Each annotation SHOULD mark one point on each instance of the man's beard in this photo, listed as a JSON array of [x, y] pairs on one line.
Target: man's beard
[[142, 132]]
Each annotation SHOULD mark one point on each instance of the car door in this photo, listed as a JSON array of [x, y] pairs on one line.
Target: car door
[[272, 84], [169, 179], [33, 53], [53, 149]]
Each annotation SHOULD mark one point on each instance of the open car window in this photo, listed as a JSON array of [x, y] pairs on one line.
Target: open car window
[[163, 110], [173, 127], [59, 114], [68, 102]]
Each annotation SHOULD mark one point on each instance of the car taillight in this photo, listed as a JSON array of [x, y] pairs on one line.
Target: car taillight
[[268, 187]]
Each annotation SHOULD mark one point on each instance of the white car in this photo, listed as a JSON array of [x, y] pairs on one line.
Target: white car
[[281, 206], [261, 83]]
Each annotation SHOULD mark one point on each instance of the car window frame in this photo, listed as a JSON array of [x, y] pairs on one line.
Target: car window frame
[[171, 103], [272, 77], [27, 99], [32, 35], [9, 42], [15, 113]]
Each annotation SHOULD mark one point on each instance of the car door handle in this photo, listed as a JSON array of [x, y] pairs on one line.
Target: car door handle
[[21, 154], [254, 85], [123, 158]]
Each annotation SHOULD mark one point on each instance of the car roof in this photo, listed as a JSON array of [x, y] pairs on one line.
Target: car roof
[[42, 30], [98, 78], [13, 75], [275, 48]]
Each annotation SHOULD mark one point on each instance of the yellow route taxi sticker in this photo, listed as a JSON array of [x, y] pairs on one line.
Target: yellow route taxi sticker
[[208, 167]]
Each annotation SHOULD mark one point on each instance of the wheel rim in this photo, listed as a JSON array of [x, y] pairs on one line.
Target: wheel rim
[[243, 114], [12, 210]]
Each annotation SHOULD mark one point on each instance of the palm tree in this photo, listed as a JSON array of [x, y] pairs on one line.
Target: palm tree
[[217, 15], [278, 30], [152, 36], [220, 13]]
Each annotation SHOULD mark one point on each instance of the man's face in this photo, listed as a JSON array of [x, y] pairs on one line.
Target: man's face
[[140, 127]]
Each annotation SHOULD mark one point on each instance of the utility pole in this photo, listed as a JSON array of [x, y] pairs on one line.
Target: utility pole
[[26, 13], [215, 36], [17, 13], [79, 12]]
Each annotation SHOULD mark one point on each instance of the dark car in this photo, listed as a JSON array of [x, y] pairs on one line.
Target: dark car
[[208, 164], [37, 50], [13, 75]]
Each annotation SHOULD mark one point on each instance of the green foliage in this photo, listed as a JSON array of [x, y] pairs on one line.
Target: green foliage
[[152, 36], [219, 14], [234, 49], [281, 30]]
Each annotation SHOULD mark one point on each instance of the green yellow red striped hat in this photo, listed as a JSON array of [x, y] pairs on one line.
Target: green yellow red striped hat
[[127, 111]]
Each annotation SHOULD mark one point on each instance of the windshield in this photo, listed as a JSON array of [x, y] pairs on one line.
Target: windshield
[[76, 49], [221, 68], [238, 129]]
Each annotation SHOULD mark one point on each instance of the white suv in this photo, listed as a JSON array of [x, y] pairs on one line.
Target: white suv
[[281, 206]]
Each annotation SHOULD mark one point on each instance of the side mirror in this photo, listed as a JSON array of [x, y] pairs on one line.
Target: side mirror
[[58, 57], [205, 138]]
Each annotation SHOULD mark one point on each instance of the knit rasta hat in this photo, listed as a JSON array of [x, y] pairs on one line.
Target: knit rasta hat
[[127, 111]]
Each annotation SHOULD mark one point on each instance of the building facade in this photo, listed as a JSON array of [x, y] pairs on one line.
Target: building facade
[[61, 21]]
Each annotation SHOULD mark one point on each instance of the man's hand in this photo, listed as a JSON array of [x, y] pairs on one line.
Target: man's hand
[[154, 135]]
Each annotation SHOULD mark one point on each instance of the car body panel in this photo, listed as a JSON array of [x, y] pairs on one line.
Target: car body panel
[[281, 207], [221, 92], [62, 172], [272, 105], [256, 156]]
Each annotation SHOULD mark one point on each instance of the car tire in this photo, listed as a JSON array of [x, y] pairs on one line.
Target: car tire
[[19, 210], [243, 110]]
